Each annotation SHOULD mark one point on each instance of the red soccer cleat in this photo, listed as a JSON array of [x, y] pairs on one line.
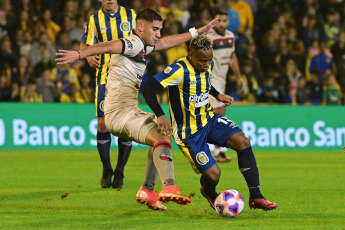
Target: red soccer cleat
[[172, 193], [149, 197], [261, 203], [211, 201]]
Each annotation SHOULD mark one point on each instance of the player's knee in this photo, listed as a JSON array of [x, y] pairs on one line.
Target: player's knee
[[245, 142]]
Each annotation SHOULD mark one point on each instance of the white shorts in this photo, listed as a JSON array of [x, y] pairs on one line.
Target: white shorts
[[130, 123]]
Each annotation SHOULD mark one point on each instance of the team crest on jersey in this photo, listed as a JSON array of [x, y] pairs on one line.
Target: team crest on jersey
[[125, 26], [202, 158], [101, 106], [167, 70]]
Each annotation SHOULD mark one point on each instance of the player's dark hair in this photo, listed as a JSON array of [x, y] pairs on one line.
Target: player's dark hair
[[219, 12], [201, 42], [149, 15]]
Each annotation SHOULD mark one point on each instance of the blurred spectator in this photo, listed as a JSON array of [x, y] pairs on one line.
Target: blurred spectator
[[29, 93], [292, 73], [23, 72], [268, 51], [63, 41], [231, 87], [250, 85], [185, 18], [234, 18], [338, 49], [28, 6], [46, 87], [331, 94], [44, 64], [86, 91], [253, 5], [177, 52], [5, 90], [310, 31], [24, 22], [15, 92], [4, 28], [136, 5], [321, 61], [268, 93], [171, 9], [301, 91], [8, 59], [63, 76], [296, 47], [73, 96], [78, 30], [283, 55], [202, 18], [246, 16], [52, 29], [36, 49], [331, 26], [314, 88], [251, 56], [27, 43], [341, 74]]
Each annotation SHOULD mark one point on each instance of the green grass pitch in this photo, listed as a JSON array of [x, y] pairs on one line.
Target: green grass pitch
[[308, 186]]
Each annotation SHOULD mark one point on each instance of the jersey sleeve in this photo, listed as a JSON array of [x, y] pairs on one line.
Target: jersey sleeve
[[131, 46], [90, 35], [172, 75]]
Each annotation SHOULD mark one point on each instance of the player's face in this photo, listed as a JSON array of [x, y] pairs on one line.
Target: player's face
[[152, 32], [109, 6], [223, 22], [201, 59]]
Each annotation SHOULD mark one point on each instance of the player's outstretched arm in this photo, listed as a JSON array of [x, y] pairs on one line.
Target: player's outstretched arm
[[70, 56], [175, 40]]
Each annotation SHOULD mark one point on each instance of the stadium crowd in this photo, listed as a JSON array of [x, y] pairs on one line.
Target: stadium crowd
[[290, 51]]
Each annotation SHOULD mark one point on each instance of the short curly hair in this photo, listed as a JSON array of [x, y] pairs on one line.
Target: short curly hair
[[201, 42]]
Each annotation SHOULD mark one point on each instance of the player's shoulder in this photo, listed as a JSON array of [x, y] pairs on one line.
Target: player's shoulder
[[228, 33]]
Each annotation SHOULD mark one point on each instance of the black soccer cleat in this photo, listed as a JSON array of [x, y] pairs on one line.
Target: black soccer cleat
[[106, 178], [118, 180]]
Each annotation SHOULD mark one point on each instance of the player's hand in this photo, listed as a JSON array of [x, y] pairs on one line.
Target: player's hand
[[164, 126], [208, 28], [93, 61], [226, 99], [67, 57], [240, 83]]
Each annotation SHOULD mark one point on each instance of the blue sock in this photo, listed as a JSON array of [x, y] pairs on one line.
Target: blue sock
[[249, 169], [103, 146], [125, 147]]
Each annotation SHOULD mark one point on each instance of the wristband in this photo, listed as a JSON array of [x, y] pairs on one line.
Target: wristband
[[79, 54], [193, 32]]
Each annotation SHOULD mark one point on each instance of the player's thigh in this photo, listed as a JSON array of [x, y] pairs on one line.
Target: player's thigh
[[222, 129], [99, 100], [238, 142], [198, 153]]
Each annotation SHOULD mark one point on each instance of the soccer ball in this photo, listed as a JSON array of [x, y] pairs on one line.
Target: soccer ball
[[229, 203]]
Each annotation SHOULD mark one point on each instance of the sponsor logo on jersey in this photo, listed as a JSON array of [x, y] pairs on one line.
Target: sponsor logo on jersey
[[101, 106], [192, 82], [202, 158], [167, 70], [125, 26], [103, 29], [129, 43]]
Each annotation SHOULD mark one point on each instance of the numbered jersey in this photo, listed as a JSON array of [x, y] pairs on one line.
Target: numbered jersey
[[125, 74], [223, 47], [190, 109]]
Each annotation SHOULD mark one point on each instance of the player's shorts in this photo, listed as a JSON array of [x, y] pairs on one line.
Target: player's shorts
[[130, 123], [214, 102], [195, 148], [99, 100]]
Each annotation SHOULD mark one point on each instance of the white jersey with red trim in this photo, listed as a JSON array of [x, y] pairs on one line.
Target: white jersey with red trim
[[223, 47], [125, 74]]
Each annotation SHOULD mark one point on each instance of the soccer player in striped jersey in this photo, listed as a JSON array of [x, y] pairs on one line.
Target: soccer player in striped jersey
[[123, 117], [195, 123], [224, 57], [109, 23]]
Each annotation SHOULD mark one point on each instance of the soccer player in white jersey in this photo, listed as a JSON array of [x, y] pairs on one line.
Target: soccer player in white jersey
[[224, 56], [123, 118]]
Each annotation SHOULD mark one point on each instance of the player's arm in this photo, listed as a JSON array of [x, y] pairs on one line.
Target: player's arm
[[93, 60], [149, 89], [69, 56], [175, 40], [226, 99], [236, 69]]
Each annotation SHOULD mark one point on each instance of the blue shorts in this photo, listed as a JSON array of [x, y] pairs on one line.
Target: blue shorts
[[99, 100], [217, 132]]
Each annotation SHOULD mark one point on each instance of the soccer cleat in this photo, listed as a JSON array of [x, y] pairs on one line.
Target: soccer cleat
[[172, 193], [261, 203], [211, 201], [118, 180], [222, 158], [149, 197], [106, 178]]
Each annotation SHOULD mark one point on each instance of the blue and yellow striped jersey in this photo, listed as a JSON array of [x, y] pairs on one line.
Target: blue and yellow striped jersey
[[190, 109], [103, 27]]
